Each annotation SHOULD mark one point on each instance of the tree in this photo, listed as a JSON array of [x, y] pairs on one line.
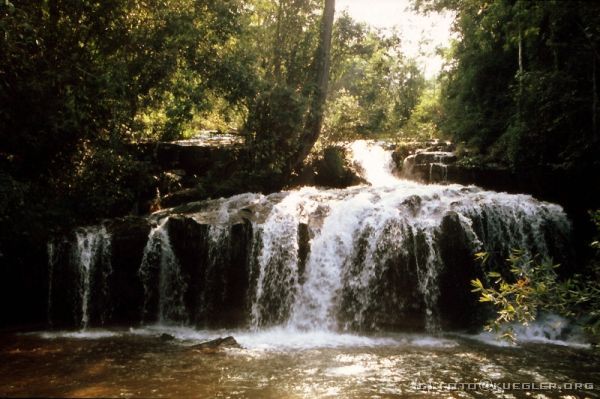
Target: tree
[[522, 89], [80, 80], [370, 71], [286, 116], [318, 92]]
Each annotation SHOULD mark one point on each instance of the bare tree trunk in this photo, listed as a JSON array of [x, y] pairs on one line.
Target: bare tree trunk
[[278, 44], [594, 99], [595, 57], [314, 121]]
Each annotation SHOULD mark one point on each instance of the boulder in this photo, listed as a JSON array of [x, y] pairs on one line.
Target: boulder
[[216, 345], [164, 337]]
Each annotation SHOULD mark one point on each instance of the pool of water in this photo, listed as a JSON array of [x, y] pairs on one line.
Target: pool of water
[[280, 363]]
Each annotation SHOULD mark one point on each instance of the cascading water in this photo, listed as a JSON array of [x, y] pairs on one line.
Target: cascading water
[[159, 256], [277, 263], [375, 162], [368, 257], [92, 255], [439, 159], [361, 234]]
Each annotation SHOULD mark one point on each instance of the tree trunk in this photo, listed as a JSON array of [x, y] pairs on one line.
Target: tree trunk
[[314, 120], [594, 99], [278, 44]]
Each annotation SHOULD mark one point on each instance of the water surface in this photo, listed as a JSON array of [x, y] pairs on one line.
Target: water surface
[[279, 363]]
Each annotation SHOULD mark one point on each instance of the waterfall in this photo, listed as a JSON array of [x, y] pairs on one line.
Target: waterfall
[[277, 261], [170, 287], [439, 163], [92, 255], [375, 162], [363, 258]]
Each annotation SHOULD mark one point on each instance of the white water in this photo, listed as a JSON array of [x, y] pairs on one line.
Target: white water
[[277, 263], [92, 251], [270, 339], [393, 216], [549, 329], [375, 162], [361, 240], [158, 253]]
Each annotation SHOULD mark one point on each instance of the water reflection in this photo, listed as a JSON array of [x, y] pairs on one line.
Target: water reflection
[[137, 363]]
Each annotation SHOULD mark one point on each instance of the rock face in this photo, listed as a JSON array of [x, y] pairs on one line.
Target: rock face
[[456, 298], [428, 162], [115, 293], [190, 157], [215, 261]]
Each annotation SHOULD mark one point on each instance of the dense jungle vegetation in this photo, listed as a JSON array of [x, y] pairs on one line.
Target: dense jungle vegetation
[[80, 81]]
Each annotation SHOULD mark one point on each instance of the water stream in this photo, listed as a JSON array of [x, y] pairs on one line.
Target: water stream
[[92, 255]]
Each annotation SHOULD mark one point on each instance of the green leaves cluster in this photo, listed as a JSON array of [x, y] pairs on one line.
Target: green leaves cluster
[[533, 286], [374, 87], [273, 129], [79, 80], [522, 82]]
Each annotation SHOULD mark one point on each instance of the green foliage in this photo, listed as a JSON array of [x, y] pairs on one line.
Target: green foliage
[[534, 286], [283, 36], [425, 118], [344, 117], [104, 181], [374, 88], [273, 129], [76, 71], [522, 82], [80, 80]]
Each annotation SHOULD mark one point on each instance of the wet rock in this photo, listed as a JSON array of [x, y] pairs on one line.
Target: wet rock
[[303, 250], [459, 307], [128, 239], [399, 305], [413, 203], [164, 337], [214, 262], [216, 345], [428, 166]]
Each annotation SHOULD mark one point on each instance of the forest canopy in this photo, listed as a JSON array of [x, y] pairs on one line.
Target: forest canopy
[[82, 81], [521, 81]]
